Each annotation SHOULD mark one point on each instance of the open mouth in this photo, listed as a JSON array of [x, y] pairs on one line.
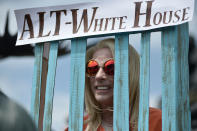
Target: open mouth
[[102, 88]]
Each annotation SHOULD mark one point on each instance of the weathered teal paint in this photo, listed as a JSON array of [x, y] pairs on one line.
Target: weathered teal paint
[[50, 84], [35, 98], [143, 122], [121, 84], [175, 87], [76, 108]]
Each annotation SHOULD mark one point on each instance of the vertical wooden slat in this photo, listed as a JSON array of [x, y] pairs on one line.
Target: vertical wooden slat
[[45, 59], [175, 86], [121, 84], [78, 53], [50, 86], [143, 122], [35, 98]]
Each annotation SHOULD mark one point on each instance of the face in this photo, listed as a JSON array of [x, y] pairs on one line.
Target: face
[[102, 84]]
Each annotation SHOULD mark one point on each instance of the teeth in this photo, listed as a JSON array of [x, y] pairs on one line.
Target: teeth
[[102, 88]]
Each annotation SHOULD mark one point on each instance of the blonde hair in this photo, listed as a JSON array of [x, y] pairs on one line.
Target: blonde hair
[[91, 105]]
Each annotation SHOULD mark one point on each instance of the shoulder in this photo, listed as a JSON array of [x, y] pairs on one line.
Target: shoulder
[[84, 126], [155, 119], [13, 116], [155, 112]]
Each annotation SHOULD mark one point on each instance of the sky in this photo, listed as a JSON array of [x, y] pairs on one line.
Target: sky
[[16, 72]]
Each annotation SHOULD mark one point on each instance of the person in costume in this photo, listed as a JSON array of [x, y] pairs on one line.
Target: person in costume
[[99, 87]]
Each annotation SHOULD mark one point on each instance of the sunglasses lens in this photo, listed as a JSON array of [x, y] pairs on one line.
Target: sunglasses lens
[[92, 68], [109, 67]]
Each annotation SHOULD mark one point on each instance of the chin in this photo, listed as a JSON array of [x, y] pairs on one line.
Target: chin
[[101, 99]]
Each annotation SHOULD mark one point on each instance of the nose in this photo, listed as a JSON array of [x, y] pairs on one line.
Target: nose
[[100, 75]]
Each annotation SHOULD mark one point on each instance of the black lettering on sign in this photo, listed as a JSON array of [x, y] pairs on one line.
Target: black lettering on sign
[[106, 23], [58, 19], [177, 16], [184, 14], [138, 13], [113, 22], [100, 25], [156, 17], [27, 18], [41, 28], [84, 18], [121, 22], [169, 18]]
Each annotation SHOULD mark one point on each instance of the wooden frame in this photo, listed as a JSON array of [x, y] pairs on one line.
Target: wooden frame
[[175, 81]]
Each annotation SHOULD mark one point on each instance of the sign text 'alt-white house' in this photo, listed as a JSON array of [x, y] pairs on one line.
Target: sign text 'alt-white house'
[[62, 22]]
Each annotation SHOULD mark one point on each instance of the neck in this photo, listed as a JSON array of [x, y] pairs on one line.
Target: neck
[[107, 118], [107, 115]]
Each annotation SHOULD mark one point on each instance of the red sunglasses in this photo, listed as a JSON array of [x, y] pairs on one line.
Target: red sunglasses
[[92, 67]]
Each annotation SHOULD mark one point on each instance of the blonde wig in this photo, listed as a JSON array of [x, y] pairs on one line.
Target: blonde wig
[[91, 105]]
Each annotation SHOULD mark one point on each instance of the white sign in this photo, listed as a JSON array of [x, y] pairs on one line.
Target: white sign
[[108, 16]]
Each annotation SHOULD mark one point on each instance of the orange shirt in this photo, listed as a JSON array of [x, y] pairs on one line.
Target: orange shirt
[[155, 121]]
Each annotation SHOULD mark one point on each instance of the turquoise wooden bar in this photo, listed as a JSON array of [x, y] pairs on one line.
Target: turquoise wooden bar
[[175, 87]]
